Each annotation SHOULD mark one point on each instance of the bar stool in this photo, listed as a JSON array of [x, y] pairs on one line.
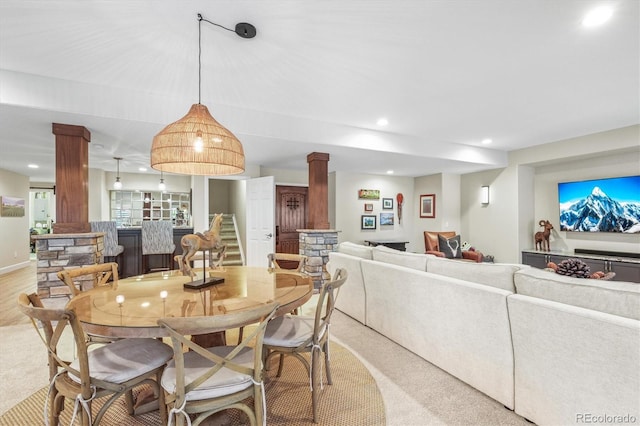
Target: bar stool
[[157, 238], [112, 250]]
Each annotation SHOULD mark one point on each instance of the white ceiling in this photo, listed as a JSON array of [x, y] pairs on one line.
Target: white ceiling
[[446, 74]]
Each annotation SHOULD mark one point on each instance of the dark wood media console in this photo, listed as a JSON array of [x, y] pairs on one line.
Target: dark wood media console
[[626, 266]]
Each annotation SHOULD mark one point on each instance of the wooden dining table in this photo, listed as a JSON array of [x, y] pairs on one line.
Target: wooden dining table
[[131, 307]]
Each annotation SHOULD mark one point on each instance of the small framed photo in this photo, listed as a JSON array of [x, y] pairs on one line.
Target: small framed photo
[[428, 205], [386, 219], [367, 221], [387, 203], [368, 207]]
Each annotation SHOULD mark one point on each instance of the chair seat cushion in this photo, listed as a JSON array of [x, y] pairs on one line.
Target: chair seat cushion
[[224, 382], [125, 359], [288, 331], [113, 251]]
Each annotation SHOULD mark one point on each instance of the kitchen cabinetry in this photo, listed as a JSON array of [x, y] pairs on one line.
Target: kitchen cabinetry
[[131, 239], [626, 269]]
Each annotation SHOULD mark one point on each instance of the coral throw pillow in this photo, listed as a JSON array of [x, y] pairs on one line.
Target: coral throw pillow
[[451, 247]]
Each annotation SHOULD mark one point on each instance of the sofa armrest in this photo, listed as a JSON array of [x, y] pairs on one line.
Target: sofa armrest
[[476, 256], [435, 253]]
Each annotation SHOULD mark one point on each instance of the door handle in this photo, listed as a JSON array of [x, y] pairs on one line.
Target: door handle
[[269, 235]]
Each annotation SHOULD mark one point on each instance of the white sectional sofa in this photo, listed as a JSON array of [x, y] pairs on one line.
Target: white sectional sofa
[[557, 350]]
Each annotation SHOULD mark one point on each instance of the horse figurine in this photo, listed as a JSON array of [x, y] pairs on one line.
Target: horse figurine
[[542, 238], [209, 240]]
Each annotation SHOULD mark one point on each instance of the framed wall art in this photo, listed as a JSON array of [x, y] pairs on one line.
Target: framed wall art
[[367, 221], [428, 205], [387, 203], [11, 206], [369, 194], [368, 207], [386, 219]]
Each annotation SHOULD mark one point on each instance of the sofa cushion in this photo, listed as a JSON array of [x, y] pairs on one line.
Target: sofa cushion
[[400, 258], [451, 247], [499, 275], [613, 297], [353, 249]]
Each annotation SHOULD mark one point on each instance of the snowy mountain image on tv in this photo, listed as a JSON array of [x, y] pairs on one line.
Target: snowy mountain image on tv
[[603, 205]]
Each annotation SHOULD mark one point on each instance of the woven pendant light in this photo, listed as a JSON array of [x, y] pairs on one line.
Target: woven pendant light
[[197, 144]]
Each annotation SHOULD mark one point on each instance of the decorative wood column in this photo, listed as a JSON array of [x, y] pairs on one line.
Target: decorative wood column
[[72, 178], [318, 190]]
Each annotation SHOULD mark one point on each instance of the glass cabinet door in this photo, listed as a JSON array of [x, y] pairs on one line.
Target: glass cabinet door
[[131, 208]]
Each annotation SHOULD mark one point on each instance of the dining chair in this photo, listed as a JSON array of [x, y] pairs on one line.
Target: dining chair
[[87, 277], [157, 239], [287, 259], [112, 370], [204, 381], [112, 250], [296, 335]]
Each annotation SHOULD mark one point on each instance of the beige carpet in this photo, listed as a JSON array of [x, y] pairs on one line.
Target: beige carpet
[[352, 399]]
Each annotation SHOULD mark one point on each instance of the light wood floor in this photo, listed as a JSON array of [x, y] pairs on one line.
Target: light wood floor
[[11, 285]]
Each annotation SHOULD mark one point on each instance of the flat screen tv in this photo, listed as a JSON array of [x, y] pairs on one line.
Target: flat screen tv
[[600, 205]]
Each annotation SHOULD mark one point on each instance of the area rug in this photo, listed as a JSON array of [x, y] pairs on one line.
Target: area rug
[[352, 399]]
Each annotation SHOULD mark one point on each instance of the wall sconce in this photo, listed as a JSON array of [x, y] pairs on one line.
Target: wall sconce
[[484, 195]]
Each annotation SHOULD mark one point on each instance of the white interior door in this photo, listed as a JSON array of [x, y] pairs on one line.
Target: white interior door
[[260, 220]]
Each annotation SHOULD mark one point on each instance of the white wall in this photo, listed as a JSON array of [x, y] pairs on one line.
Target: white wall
[[546, 202], [526, 192], [349, 208], [14, 244]]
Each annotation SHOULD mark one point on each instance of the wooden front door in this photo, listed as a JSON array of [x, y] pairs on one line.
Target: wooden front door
[[291, 214]]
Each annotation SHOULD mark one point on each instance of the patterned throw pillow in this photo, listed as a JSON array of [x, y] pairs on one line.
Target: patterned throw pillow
[[451, 247]]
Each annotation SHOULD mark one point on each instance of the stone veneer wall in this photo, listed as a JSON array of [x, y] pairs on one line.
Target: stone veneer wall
[[316, 244], [56, 252]]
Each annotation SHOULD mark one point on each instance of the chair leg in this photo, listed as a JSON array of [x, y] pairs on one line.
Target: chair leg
[[162, 402], [280, 365], [327, 364], [315, 371], [128, 396], [240, 334]]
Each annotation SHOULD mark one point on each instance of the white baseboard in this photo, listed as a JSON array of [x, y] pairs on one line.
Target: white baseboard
[[14, 267]]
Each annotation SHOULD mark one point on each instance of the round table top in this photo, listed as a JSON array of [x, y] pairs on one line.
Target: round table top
[[132, 306]]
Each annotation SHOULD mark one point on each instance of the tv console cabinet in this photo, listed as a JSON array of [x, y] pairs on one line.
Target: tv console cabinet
[[625, 268]]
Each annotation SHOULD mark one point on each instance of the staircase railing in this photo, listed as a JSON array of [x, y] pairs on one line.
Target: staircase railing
[[235, 227]]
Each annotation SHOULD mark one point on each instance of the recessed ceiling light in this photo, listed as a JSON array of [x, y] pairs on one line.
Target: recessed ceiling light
[[33, 166], [143, 169], [382, 122], [597, 16], [486, 141], [389, 172]]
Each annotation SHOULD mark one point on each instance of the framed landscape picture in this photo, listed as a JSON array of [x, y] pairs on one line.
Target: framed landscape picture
[[428, 205], [368, 221], [369, 194], [386, 219], [387, 203], [11, 206]]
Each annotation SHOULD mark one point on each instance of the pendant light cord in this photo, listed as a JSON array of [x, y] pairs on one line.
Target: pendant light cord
[[200, 19], [199, 57]]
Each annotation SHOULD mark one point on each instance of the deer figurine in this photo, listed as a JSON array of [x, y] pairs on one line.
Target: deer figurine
[[542, 238]]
